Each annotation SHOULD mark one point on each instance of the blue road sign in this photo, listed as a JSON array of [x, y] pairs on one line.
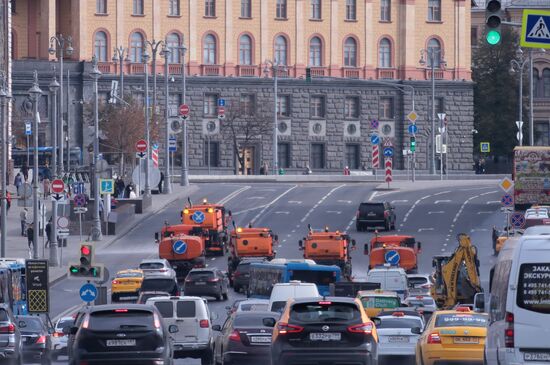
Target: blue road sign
[[172, 144], [179, 247], [375, 139], [392, 257], [221, 102], [88, 292], [374, 124], [507, 200], [388, 151], [413, 129], [79, 200], [198, 217], [535, 29], [517, 220], [155, 146], [28, 129], [485, 147], [78, 188]]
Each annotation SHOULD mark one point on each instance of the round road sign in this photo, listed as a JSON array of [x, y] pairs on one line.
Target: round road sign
[[179, 247], [517, 220], [388, 151], [58, 186], [374, 139], [374, 124], [507, 200], [392, 257], [79, 200], [141, 145], [184, 109], [62, 222], [198, 217]]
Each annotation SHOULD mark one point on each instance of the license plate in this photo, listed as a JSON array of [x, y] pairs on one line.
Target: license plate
[[335, 336], [398, 339], [536, 356], [129, 297], [120, 343], [200, 283], [466, 340], [260, 339]]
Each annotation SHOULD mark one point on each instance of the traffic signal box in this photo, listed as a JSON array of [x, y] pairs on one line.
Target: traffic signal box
[[413, 144], [86, 268], [493, 20]]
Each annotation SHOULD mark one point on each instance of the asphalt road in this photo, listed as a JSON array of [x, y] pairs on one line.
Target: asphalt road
[[433, 215]]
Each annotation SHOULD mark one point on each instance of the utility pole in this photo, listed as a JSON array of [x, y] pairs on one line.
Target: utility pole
[[167, 180], [184, 158], [54, 86], [95, 74], [276, 66], [4, 97]]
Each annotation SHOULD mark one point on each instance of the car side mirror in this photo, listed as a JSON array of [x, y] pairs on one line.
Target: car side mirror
[[73, 330], [229, 213], [50, 331], [269, 322], [276, 237], [479, 302], [376, 321], [216, 327], [366, 249], [416, 330], [300, 244], [353, 243], [156, 237], [419, 245], [173, 329]]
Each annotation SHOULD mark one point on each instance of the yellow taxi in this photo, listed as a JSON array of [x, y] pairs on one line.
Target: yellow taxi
[[376, 301], [453, 336], [126, 285]]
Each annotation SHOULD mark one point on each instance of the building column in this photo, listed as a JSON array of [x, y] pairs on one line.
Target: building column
[[230, 61], [333, 46], [84, 38], [156, 11], [368, 47], [462, 50], [266, 47], [194, 46], [301, 50], [407, 52]]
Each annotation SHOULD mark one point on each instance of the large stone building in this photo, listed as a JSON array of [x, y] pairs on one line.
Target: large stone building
[[363, 56]]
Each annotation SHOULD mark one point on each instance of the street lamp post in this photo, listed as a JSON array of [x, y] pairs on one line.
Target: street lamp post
[[431, 54], [519, 65], [35, 93], [147, 191], [4, 96], [54, 86], [167, 183], [60, 45], [275, 67], [120, 55], [95, 74], [184, 160]]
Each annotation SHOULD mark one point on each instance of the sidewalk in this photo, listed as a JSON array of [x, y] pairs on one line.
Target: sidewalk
[[17, 247]]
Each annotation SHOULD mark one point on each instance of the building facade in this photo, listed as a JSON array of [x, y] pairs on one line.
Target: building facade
[[359, 54]]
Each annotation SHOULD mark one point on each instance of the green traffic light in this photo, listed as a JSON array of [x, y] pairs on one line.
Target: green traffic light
[[493, 37], [74, 269]]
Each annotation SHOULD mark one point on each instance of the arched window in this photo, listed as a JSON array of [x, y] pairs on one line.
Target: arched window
[[537, 84], [209, 50], [384, 53], [280, 50], [173, 44], [245, 50], [315, 49], [100, 46], [350, 52], [136, 48], [434, 53], [546, 82]]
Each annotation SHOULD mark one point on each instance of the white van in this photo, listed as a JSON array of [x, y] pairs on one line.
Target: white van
[[193, 336], [519, 301], [391, 278], [284, 291]]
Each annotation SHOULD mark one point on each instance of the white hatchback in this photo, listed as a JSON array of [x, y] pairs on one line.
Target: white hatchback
[[398, 332], [59, 338]]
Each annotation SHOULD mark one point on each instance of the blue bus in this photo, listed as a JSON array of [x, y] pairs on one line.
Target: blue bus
[[263, 275], [13, 288]]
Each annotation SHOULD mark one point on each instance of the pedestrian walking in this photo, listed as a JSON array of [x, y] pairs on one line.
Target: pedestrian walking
[[23, 219], [25, 172], [347, 171], [49, 233], [131, 193], [18, 182], [30, 235], [161, 181], [120, 187], [8, 201]]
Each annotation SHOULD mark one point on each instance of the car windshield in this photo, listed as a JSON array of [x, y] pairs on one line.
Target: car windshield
[[380, 302], [200, 275], [166, 285], [121, 319], [246, 307], [461, 320], [251, 321], [420, 302], [243, 267], [396, 322], [29, 324], [324, 312], [377, 209], [151, 266], [4, 315], [130, 274], [64, 323], [417, 281]]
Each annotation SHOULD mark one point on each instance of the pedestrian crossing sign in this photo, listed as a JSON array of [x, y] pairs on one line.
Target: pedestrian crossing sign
[[106, 186], [535, 29]]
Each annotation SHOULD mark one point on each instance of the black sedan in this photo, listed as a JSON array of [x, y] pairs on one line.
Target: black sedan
[[36, 338], [243, 338]]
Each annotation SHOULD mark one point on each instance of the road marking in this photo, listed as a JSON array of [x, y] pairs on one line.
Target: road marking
[[484, 212], [372, 195], [320, 201], [443, 201], [266, 190], [288, 235], [438, 212], [66, 312], [425, 229], [294, 202], [418, 202], [233, 194], [255, 197], [249, 209], [293, 231], [212, 259], [444, 244], [344, 201], [279, 246], [493, 202], [272, 202], [334, 212], [399, 201], [282, 212], [284, 240], [479, 230]]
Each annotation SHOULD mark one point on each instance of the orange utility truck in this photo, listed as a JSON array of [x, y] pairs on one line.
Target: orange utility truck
[[184, 252], [395, 250], [250, 243]]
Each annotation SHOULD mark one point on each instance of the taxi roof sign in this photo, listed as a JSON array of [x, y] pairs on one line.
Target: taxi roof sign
[[535, 29]]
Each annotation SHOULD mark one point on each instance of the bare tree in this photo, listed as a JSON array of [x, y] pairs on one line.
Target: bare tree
[[245, 124]]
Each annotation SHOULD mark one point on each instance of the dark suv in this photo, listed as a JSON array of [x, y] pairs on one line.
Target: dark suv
[[327, 330], [240, 278], [11, 346], [122, 334], [375, 215], [206, 282]]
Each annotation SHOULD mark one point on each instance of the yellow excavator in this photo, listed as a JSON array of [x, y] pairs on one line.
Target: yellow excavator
[[456, 277]]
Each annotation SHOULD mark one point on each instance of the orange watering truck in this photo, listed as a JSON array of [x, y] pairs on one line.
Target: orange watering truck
[[184, 252], [395, 250], [329, 248]]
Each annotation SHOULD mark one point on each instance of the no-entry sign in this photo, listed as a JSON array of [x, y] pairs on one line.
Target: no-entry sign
[[141, 145], [184, 110], [58, 186]]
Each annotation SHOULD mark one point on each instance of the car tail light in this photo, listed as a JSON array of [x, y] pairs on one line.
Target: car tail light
[[434, 338], [235, 336], [121, 310], [10, 328], [204, 323], [188, 280], [215, 280], [236, 274], [114, 282], [365, 328], [85, 322], [509, 330], [325, 303], [163, 270], [41, 339], [398, 314], [156, 320], [58, 334], [285, 328], [463, 309]]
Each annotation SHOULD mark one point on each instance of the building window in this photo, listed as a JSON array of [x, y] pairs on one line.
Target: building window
[[210, 8], [351, 9], [173, 44], [434, 53], [136, 48], [174, 101], [317, 156], [101, 6], [283, 155], [209, 50], [280, 50], [350, 52], [100, 46], [385, 10], [546, 82], [386, 108], [315, 9], [283, 105], [212, 154], [248, 105], [245, 50], [440, 105], [13, 7], [174, 7], [138, 7], [542, 133], [353, 156], [281, 9], [246, 9], [210, 105], [351, 107], [317, 107], [434, 10], [384, 53], [315, 49], [473, 36], [537, 92]]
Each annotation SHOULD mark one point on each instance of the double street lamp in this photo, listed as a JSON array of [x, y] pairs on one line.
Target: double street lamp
[[167, 181], [95, 74], [4, 97], [54, 86], [518, 66], [120, 56], [275, 67], [184, 181]]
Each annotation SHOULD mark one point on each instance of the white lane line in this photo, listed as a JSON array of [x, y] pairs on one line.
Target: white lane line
[[320, 201], [344, 201], [479, 230], [443, 201], [284, 240], [418, 202], [212, 259], [493, 202], [255, 197], [233, 194], [372, 195], [293, 231], [272, 202], [279, 212], [266, 190], [485, 212], [399, 201], [438, 212], [464, 205], [279, 246], [294, 202], [66, 312], [425, 229], [334, 212], [249, 209], [288, 235]]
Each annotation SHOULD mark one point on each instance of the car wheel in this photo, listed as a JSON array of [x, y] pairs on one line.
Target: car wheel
[[237, 289], [219, 297], [224, 295], [207, 358], [46, 359], [113, 298]]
